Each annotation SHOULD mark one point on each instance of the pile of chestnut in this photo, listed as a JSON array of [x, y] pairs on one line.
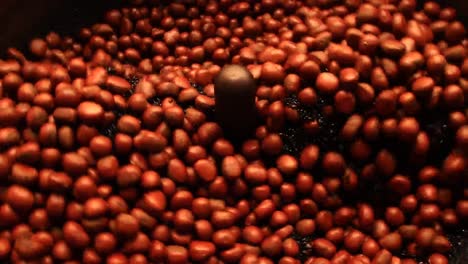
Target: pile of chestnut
[[110, 152]]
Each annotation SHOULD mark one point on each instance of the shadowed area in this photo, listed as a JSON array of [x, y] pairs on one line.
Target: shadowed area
[[23, 20]]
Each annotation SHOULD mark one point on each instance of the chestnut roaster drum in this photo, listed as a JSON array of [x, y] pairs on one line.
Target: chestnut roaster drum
[[24, 20]]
